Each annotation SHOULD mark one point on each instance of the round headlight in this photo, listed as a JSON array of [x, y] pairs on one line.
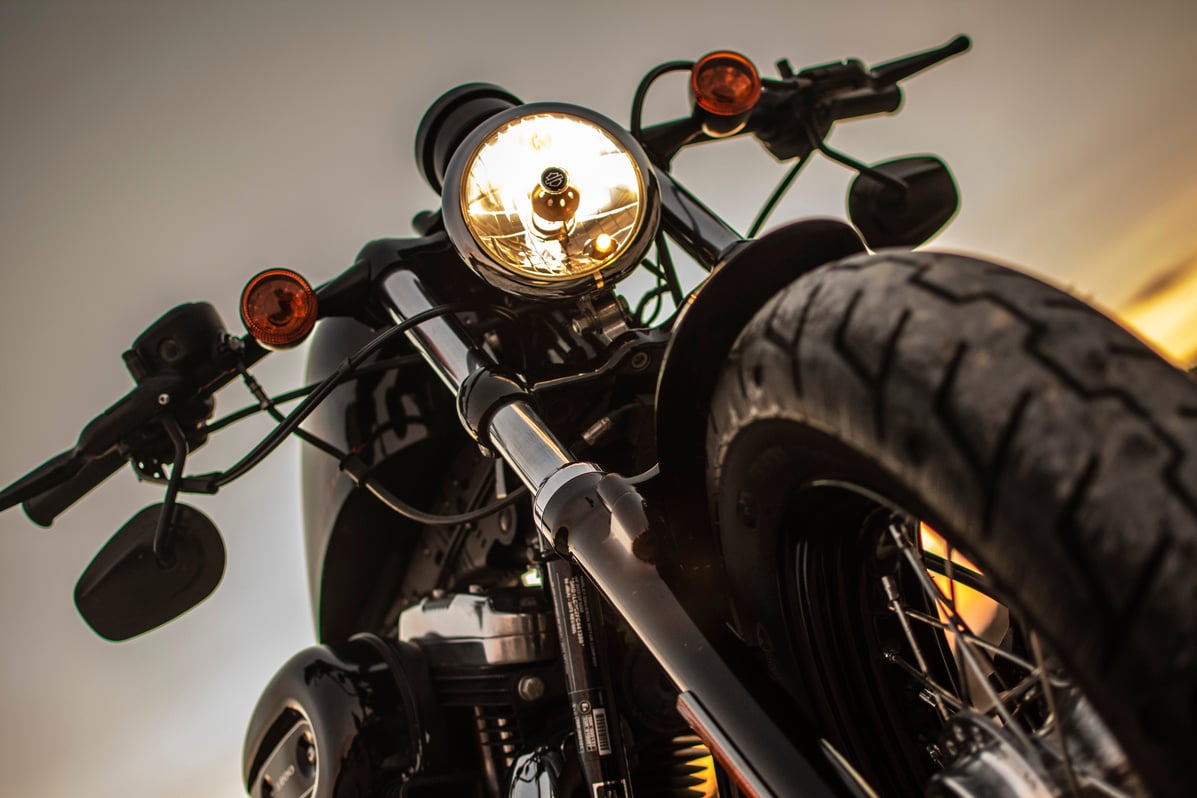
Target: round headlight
[[550, 200]]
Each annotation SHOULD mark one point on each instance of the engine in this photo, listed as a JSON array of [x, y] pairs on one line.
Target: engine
[[444, 710], [469, 700]]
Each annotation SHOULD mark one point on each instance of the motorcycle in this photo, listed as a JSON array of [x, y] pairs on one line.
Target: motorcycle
[[855, 519]]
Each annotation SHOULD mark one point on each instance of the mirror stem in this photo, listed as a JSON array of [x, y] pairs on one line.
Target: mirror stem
[[164, 532], [856, 166]]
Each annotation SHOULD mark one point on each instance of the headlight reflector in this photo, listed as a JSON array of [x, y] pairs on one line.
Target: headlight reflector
[[550, 200]]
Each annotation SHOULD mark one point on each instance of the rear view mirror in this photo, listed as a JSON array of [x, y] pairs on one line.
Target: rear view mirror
[[126, 591], [888, 216]]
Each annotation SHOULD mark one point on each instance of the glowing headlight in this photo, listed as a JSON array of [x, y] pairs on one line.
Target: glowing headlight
[[550, 200]]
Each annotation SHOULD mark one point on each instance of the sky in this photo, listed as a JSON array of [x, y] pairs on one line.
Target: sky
[[156, 153]]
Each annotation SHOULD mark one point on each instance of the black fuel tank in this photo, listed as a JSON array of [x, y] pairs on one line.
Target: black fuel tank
[[403, 423]]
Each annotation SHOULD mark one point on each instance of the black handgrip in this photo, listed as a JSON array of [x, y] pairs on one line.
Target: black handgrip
[[95, 455], [50, 473], [865, 102], [891, 72], [43, 508]]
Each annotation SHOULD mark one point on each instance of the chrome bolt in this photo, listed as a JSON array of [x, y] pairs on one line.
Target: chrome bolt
[[530, 688], [164, 399]]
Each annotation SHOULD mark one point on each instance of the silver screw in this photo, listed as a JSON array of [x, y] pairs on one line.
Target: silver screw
[[531, 688], [164, 399]]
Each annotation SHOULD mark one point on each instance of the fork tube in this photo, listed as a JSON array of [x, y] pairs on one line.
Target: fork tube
[[713, 699], [703, 235], [515, 430]]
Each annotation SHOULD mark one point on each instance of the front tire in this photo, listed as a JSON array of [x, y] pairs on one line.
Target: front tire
[[1050, 446]]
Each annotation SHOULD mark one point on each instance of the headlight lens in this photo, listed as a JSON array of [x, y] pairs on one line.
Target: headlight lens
[[553, 202]]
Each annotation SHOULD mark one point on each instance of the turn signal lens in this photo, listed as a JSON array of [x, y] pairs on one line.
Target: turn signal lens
[[725, 84], [278, 308]]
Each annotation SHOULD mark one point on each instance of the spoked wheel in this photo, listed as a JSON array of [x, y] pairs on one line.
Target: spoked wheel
[[957, 510]]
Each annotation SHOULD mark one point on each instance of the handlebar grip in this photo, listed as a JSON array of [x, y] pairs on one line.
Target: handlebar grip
[[866, 102], [43, 508]]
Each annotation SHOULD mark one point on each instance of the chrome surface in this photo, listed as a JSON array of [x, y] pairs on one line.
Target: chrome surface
[[986, 761], [290, 769], [516, 432], [721, 746], [441, 341], [550, 485], [484, 263], [531, 449], [536, 775], [465, 629]]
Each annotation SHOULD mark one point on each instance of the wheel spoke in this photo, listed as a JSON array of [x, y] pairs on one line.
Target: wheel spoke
[[899, 609], [960, 632], [980, 642], [1050, 698]]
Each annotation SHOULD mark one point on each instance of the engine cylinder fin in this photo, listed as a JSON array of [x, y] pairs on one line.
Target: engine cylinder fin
[[677, 767]]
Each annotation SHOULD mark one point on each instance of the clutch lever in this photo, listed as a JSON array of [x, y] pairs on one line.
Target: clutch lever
[[95, 456]]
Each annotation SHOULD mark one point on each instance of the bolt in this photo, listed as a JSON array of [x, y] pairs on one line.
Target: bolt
[[530, 688], [163, 399], [640, 361]]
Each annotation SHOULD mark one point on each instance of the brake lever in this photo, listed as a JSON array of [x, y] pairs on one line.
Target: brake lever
[[890, 72]]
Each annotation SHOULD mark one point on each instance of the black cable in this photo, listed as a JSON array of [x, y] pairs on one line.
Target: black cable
[[361, 371], [655, 293], [350, 464], [666, 261], [642, 90], [771, 203], [267, 404], [210, 483], [403, 508]]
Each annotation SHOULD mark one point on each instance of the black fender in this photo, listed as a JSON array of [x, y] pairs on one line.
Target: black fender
[[707, 326]]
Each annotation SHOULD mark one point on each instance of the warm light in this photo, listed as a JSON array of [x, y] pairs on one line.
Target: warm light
[[603, 244], [725, 84], [552, 197], [278, 308], [976, 609]]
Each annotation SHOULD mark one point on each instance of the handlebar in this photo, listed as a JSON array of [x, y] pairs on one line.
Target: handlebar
[[797, 111], [44, 507], [62, 480]]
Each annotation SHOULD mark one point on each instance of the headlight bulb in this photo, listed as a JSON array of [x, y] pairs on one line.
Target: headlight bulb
[[550, 200]]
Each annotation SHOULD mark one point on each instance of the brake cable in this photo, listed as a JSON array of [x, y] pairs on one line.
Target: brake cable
[[350, 463]]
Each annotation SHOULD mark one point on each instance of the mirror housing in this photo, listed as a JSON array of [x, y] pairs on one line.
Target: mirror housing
[[889, 217], [126, 591]]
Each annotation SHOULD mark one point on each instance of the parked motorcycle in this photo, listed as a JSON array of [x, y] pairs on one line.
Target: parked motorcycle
[[852, 520]]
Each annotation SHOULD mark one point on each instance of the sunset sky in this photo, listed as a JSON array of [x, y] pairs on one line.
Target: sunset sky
[[155, 153]]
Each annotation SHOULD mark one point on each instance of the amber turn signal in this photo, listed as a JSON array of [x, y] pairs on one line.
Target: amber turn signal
[[725, 84], [278, 308]]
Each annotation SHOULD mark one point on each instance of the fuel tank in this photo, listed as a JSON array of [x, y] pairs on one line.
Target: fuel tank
[[401, 422]]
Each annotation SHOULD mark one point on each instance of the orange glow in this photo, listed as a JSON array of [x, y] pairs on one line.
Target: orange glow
[[278, 308], [975, 608], [725, 84], [1165, 313]]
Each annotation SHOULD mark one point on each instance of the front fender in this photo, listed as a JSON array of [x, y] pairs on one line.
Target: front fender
[[710, 320]]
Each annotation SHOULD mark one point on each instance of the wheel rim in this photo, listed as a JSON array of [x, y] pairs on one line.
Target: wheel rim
[[916, 698]]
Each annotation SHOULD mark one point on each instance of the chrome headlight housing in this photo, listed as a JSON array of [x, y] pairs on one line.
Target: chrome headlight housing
[[550, 200]]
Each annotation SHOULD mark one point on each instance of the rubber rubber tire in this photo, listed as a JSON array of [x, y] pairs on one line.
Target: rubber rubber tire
[[1051, 445]]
